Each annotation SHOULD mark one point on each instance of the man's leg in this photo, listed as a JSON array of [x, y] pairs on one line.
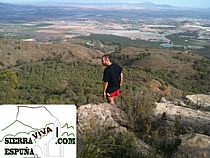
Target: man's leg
[[110, 100]]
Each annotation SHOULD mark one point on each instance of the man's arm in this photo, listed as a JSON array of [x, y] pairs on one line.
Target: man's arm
[[105, 85], [121, 78]]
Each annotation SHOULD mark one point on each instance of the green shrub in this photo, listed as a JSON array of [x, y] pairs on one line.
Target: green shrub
[[108, 144], [8, 83]]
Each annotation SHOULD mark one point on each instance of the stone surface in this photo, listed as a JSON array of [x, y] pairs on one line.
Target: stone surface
[[199, 100], [195, 120], [193, 146], [93, 117]]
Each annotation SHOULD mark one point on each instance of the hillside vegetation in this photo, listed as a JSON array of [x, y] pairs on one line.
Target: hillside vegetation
[[69, 73], [66, 73]]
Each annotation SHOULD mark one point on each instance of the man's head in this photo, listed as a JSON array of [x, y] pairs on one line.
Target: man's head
[[105, 60]]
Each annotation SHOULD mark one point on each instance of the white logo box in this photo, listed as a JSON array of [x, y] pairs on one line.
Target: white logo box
[[37, 131]]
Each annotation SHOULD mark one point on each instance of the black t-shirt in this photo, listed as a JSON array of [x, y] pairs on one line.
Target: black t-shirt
[[112, 76]]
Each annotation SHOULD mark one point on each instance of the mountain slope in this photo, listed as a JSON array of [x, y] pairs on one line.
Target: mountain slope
[[20, 13], [15, 52]]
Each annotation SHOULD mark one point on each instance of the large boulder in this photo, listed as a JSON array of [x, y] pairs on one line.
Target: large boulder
[[199, 100], [193, 146], [191, 120], [94, 119]]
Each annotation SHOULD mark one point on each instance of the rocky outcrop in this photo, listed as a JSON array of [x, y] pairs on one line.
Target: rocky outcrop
[[194, 146], [192, 112], [199, 100], [190, 119], [179, 114], [93, 119]]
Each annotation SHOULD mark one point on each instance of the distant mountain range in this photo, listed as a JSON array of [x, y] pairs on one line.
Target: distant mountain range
[[73, 11]]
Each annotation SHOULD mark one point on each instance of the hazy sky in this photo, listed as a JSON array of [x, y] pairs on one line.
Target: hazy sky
[[180, 3]]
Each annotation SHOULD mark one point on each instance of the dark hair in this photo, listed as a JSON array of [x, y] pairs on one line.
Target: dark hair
[[106, 57]]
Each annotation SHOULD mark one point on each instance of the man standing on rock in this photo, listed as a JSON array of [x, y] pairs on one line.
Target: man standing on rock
[[112, 78]]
